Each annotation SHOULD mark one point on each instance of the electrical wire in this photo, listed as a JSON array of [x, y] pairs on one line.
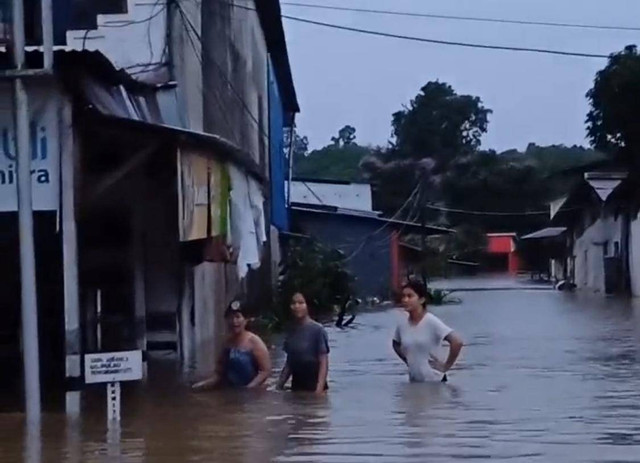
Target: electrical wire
[[463, 18], [388, 222], [139, 21], [487, 213], [437, 41], [223, 74], [198, 55], [447, 42]]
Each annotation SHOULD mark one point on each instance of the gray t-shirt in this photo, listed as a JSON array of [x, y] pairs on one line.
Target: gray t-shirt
[[304, 345]]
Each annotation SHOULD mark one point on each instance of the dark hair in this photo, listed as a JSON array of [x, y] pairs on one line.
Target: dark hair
[[236, 306], [295, 293], [420, 289]]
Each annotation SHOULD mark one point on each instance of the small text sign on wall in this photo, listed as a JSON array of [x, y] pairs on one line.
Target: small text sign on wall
[[113, 367]]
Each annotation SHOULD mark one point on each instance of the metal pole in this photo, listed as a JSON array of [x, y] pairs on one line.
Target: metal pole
[[99, 320], [73, 344], [291, 145], [47, 33], [18, 33], [31, 353], [138, 264]]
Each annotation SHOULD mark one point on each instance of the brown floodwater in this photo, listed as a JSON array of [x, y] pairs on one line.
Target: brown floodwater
[[545, 377]]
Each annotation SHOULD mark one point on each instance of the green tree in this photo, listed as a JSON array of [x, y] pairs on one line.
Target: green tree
[[613, 122], [511, 182], [300, 146], [437, 127], [346, 136], [439, 124], [316, 270], [339, 160]]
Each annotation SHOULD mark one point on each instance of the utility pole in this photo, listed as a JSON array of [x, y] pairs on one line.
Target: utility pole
[[422, 198], [292, 140], [29, 301]]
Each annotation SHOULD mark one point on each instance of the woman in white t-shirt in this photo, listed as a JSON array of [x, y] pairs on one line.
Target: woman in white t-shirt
[[418, 338]]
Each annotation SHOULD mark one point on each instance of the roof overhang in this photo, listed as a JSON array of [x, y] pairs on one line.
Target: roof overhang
[[219, 148], [605, 183], [270, 15], [110, 99], [409, 227], [545, 233], [596, 187]]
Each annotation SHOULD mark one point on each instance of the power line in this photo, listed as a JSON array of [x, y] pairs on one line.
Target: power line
[[139, 21], [447, 42], [490, 213], [388, 222], [436, 41], [462, 18], [198, 56], [223, 73]]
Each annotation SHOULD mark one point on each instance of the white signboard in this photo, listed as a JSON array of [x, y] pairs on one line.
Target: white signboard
[[44, 142], [113, 367]]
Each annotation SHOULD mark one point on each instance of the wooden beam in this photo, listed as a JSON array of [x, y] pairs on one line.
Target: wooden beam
[[111, 180]]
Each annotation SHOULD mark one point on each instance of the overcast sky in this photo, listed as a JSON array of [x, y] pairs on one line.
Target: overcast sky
[[348, 78]]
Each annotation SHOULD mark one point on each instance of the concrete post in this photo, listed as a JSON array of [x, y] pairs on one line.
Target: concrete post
[[138, 257], [46, 7], [31, 354], [73, 339]]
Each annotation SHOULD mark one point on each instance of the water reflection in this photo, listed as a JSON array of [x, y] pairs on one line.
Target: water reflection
[[545, 377]]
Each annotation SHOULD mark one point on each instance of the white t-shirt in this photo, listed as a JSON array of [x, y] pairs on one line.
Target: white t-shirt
[[421, 342]]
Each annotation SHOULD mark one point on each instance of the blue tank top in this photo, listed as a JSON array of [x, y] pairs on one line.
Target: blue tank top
[[241, 367]]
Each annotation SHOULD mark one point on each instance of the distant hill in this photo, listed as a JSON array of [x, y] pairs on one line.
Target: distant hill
[[332, 163]]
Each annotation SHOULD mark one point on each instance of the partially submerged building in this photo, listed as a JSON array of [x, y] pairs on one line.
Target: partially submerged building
[[158, 165], [339, 215], [599, 225]]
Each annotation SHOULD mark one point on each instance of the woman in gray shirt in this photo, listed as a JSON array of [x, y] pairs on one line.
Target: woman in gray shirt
[[307, 349]]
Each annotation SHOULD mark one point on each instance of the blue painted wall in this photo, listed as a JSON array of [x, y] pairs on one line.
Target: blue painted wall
[[278, 160], [371, 260]]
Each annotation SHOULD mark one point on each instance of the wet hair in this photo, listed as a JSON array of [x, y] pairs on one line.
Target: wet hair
[[310, 307], [295, 293], [420, 289]]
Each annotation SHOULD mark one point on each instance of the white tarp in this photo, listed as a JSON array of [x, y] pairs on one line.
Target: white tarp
[[45, 149], [248, 229]]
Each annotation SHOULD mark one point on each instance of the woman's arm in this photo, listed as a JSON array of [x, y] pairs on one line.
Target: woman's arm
[[207, 384], [261, 354], [323, 372], [455, 347], [285, 374], [216, 379], [397, 347]]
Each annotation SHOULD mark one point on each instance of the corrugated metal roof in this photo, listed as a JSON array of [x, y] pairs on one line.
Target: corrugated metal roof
[[111, 98], [430, 229], [550, 232]]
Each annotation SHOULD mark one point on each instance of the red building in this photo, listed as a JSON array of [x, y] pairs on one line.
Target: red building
[[502, 253]]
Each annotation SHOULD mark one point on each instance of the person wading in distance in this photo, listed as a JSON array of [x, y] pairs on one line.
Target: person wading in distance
[[417, 338], [307, 349], [244, 361]]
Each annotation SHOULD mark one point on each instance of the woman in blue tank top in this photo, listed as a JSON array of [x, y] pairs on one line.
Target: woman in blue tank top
[[244, 361]]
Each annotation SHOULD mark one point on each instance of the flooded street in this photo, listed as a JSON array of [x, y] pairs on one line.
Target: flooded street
[[544, 376]]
